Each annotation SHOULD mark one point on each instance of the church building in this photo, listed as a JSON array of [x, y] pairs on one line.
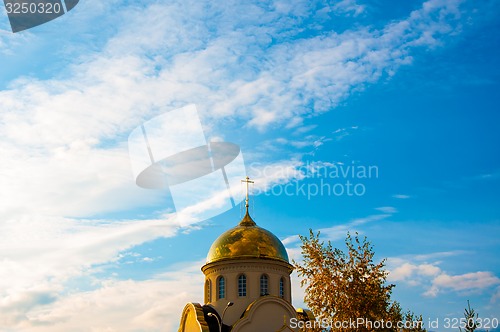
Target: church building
[[247, 284]]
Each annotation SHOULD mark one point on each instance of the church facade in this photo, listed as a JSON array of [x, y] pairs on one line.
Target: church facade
[[247, 285]]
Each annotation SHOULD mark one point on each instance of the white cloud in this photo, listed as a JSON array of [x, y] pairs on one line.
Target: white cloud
[[8, 41], [339, 232], [434, 280], [64, 247], [474, 281], [41, 255], [298, 291], [127, 305], [333, 233], [428, 269], [370, 218], [402, 272], [341, 133], [348, 7], [439, 255], [53, 130], [401, 196], [279, 172], [290, 239], [494, 175], [323, 69], [407, 271], [76, 180], [306, 141], [387, 209], [496, 296]]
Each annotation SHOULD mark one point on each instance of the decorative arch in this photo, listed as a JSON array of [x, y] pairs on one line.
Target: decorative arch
[[252, 317], [193, 319]]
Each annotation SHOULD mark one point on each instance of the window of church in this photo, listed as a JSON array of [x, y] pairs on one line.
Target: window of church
[[208, 291], [263, 285], [222, 288], [242, 285], [282, 288]]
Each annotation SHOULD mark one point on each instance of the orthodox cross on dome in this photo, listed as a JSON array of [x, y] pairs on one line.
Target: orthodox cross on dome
[[247, 181]]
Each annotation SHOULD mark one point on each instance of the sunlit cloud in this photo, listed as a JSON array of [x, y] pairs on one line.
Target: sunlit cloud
[[468, 282], [433, 280], [127, 305]]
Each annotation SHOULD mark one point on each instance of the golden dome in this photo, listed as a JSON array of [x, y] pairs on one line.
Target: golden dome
[[247, 240]]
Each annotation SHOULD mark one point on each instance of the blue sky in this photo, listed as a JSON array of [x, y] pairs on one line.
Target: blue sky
[[408, 88]]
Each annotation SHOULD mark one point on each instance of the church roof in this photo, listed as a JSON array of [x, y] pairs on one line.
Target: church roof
[[247, 240]]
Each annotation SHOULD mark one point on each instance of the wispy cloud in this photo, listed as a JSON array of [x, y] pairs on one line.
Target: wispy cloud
[[349, 7], [60, 123], [341, 133], [127, 305], [8, 41], [387, 209], [401, 196], [494, 175], [337, 232], [33, 285]]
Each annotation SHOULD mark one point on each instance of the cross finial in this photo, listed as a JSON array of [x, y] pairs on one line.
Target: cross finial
[[247, 181]]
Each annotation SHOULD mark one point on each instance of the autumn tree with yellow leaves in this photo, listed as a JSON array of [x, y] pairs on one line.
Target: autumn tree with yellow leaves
[[348, 289]]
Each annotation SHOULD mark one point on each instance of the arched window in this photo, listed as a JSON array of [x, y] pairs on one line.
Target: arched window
[[208, 291], [263, 285], [221, 292], [282, 288], [242, 285]]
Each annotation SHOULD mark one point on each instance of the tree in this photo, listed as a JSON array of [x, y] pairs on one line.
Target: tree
[[350, 287], [470, 319]]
